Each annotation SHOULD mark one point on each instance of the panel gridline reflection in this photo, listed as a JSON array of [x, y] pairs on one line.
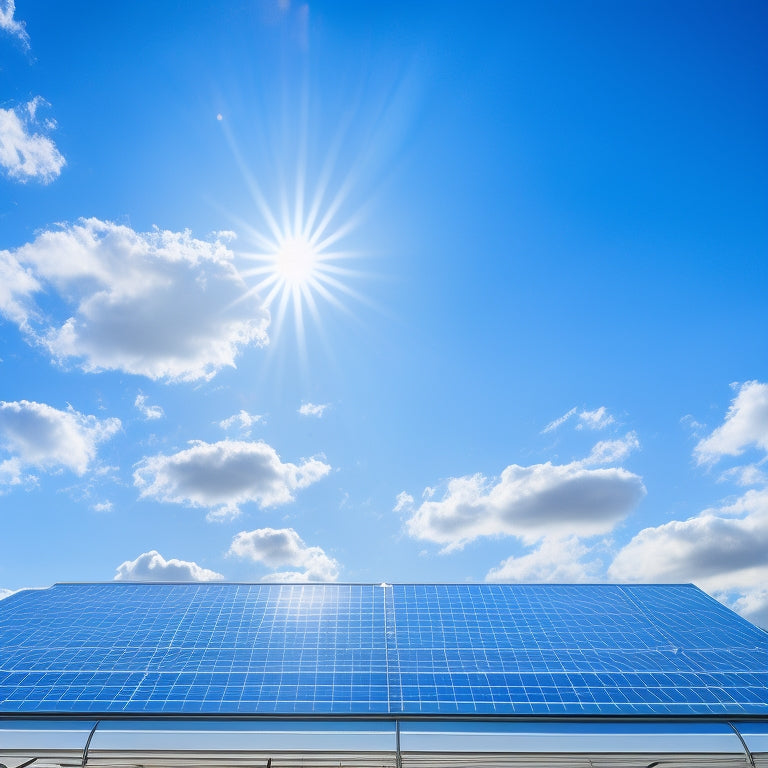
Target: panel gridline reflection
[[362, 649], [574, 649]]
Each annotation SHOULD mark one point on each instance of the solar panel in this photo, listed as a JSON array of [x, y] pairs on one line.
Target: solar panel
[[573, 650], [345, 649]]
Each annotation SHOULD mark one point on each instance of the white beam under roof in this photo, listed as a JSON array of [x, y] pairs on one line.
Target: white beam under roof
[[703, 744], [209, 743], [60, 742], [314, 743]]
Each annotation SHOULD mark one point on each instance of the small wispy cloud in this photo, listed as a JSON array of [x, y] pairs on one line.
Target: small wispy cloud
[[149, 412], [596, 419], [12, 25], [313, 409], [404, 501], [102, 506], [611, 451], [243, 420], [26, 153], [553, 425]]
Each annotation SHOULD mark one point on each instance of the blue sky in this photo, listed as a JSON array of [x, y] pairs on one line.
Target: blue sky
[[372, 292]]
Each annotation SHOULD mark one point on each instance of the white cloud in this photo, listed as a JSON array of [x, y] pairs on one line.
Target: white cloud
[[555, 560], [25, 154], [149, 412], [404, 501], [754, 606], [102, 506], [159, 304], [277, 548], [611, 451], [745, 425], [152, 566], [10, 471], [223, 475], [553, 425], [749, 474], [723, 550], [597, 419], [312, 409], [38, 435], [531, 503], [243, 420], [719, 549], [11, 25]]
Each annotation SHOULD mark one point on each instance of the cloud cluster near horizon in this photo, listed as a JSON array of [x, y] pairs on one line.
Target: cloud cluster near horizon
[[724, 549], [152, 566], [283, 547]]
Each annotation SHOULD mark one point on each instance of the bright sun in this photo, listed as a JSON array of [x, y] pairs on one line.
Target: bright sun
[[297, 265], [295, 261]]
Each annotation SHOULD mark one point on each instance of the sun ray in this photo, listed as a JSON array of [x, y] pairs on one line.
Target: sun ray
[[295, 257]]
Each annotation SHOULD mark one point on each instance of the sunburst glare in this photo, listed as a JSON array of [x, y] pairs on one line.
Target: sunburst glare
[[297, 260]]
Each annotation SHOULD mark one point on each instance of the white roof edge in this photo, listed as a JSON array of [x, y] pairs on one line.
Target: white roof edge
[[48, 739]]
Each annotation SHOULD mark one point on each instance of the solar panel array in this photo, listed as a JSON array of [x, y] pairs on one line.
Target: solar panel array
[[365, 649]]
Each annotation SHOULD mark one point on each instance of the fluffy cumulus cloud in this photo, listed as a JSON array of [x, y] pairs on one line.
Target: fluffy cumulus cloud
[[10, 24], [530, 503], [40, 436], [723, 550], [159, 304], [152, 566], [26, 151], [149, 412], [283, 547], [313, 409], [222, 476], [745, 425]]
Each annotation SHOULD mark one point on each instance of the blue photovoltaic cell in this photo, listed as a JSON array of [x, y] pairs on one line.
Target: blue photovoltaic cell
[[364, 649], [572, 649]]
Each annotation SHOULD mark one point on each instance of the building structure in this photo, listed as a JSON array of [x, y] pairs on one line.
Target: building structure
[[277, 675]]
